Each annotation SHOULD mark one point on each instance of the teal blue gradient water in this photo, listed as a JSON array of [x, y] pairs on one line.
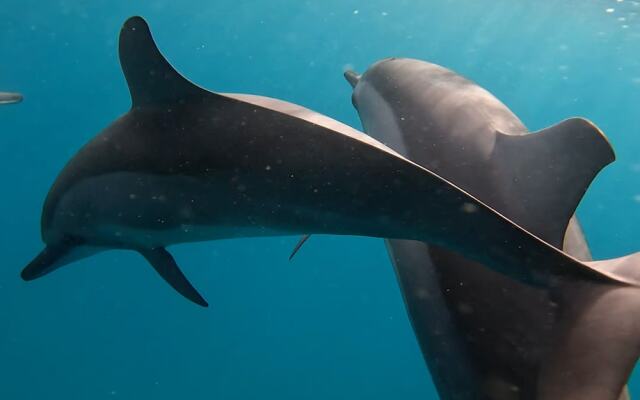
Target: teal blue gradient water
[[332, 323]]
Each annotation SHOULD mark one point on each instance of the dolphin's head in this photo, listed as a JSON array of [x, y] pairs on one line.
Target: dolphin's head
[[374, 97], [67, 228]]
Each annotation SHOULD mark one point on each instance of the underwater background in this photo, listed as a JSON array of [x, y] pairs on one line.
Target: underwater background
[[331, 323]]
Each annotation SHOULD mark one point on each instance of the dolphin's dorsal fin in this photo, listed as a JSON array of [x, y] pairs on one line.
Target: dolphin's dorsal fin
[[152, 80], [553, 168], [162, 261]]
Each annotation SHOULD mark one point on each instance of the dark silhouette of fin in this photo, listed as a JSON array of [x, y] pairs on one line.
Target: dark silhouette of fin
[[45, 262], [302, 240], [162, 261], [554, 167], [151, 79]]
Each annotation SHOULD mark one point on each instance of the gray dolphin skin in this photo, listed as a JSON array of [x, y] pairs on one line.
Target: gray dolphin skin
[[185, 164], [482, 334], [10, 98]]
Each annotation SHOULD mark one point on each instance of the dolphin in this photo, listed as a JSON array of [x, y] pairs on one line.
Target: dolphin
[[10, 98], [185, 164], [482, 334]]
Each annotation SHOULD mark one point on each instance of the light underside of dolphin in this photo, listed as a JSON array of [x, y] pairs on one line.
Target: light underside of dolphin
[[186, 164], [10, 98]]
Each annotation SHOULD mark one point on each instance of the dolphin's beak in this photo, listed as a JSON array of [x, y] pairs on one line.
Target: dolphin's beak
[[47, 261], [352, 77]]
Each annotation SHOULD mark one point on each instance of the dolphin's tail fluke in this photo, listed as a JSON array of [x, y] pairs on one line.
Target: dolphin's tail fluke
[[162, 261]]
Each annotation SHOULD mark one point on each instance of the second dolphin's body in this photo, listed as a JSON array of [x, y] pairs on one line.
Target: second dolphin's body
[[485, 336]]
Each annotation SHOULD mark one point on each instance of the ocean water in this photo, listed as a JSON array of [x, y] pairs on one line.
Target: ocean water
[[330, 324]]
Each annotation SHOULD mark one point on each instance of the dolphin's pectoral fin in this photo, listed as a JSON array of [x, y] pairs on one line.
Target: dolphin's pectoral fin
[[162, 261], [302, 240], [553, 169], [45, 262], [151, 79]]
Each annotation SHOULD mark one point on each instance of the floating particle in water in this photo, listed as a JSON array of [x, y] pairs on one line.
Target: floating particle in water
[[636, 198], [356, 12], [469, 208], [636, 80], [610, 10], [384, 13], [347, 67]]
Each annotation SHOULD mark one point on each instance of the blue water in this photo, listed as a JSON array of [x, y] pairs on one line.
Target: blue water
[[332, 323]]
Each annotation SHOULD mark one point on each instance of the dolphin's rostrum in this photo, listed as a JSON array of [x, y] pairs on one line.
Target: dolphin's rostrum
[[10, 98], [186, 164]]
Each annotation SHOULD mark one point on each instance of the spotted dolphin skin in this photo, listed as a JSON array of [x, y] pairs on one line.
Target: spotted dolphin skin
[[483, 335], [10, 98], [186, 164]]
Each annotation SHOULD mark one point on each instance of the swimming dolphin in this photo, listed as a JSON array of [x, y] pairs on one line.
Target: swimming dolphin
[[186, 164], [10, 98], [484, 335]]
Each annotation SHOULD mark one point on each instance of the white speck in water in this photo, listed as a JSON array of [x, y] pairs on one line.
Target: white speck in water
[[356, 12], [268, 168], [636, 80], [636, 198], [610, 10], [384, 13], [469, 208], [622, 19], [620, 1], [132, 196], [347, 67]]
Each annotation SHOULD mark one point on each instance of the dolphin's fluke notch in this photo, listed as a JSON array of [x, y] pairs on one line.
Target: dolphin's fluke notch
[[554, 166], [162, 261], [151, 79], [302, 240], [352, 77]]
